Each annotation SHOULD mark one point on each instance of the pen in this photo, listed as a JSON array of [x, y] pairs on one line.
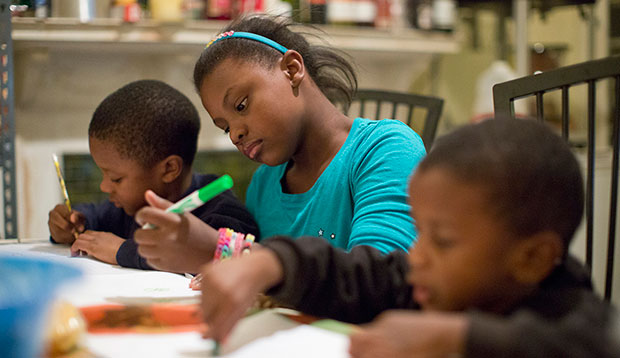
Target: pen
[[61, 180], [216, 349], [199, 197]]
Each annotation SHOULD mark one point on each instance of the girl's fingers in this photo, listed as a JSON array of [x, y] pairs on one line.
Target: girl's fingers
[[195, 283], [155, 200], [157, 217], [149, 252]]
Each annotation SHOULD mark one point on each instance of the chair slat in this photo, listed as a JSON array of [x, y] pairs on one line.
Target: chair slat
[[590, 174], [362, 103], [433, 106], [540, 109], [565, 112], [410, 117], [394, 108], [613, 200]]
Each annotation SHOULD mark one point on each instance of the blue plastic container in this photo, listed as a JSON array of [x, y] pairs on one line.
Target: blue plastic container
[[27, 287]]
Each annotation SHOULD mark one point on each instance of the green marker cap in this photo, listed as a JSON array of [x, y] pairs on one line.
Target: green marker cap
[[215, 188]]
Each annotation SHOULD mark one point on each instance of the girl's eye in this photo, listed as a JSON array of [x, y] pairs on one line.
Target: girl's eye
[[243, 105], [116, 180], [442, 242]]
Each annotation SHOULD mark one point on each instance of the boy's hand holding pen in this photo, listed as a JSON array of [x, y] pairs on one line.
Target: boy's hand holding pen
[[64, 223]]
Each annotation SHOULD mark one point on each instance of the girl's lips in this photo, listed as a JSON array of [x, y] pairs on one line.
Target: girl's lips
[[252, 149]]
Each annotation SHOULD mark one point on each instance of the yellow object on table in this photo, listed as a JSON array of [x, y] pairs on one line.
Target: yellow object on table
[[66, 328]]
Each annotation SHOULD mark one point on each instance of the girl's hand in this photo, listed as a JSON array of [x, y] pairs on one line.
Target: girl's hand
[[99, 244], [195, 283], [400, 334], [230, 287], [177, 243], [65, 225]]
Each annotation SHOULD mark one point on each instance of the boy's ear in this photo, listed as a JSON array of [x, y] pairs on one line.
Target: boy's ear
[[292, 64], [171, 168], [536, 256]]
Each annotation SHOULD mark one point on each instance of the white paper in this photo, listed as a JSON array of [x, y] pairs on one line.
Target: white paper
[[104, 283], [189, 344], [300, 342]]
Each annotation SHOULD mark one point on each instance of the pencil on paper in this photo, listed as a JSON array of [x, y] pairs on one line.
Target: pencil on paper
[[61, 180], [63, 187]]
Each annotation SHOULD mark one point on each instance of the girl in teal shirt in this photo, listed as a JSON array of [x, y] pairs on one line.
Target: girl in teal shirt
[[324, 174]]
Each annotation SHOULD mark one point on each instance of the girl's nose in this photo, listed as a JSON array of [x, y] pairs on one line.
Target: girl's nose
[[237, 133]]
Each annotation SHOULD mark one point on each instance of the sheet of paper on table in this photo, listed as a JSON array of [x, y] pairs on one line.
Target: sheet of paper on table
[[300, 342], [105, 283]]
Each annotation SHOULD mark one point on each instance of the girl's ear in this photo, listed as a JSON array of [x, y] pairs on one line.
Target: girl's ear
[[170, 168], [536, 256], [292, 64]]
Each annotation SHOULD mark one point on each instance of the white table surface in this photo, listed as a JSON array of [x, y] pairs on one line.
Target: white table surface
[[110, 284]]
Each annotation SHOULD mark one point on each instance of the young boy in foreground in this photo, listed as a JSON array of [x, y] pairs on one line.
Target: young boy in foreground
[[496, 205], [143, 137]]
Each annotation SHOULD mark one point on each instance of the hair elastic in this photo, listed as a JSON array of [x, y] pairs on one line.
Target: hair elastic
[[247, 35]]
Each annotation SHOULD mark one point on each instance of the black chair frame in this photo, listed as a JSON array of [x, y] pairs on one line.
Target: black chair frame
[[504, 95], [433, 106]]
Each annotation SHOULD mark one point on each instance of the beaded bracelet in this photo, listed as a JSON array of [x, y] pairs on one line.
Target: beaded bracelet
[[232, 244]]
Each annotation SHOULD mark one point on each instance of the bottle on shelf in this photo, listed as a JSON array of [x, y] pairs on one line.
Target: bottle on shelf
[[193, 9], [128, 10], [318, 11], [365, 12], [384, 14], [295, 10], [420, 14], [41, 9], [341, 12], [278, 8], [443, 15], [219, 9]]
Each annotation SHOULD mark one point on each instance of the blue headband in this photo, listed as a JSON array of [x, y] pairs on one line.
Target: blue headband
[[247, 35]]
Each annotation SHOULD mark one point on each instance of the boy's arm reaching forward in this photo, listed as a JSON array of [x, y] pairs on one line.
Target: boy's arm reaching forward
[[307, 274], [328, 282]]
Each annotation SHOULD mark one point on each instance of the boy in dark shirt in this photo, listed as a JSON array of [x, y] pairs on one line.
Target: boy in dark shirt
[[143, 136], [496, 205]]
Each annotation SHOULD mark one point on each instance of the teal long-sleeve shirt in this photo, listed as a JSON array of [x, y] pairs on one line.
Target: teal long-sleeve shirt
[[360, 198]]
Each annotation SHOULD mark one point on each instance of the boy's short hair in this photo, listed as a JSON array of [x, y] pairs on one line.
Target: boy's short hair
[[147, 121], [533, 178]]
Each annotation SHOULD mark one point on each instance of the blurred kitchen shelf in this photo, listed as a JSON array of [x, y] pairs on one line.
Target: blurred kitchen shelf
[[66, 33]]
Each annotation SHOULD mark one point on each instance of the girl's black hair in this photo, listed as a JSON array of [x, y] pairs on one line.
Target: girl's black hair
[[533, 179], [327, 67]]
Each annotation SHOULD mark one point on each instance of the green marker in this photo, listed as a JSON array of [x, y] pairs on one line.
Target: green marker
[[216, 349], [199, 197]]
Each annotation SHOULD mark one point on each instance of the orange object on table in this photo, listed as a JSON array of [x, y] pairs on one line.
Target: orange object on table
[[155, 318]]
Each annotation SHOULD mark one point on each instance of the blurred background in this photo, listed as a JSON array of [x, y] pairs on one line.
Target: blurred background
[[70, 54]]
